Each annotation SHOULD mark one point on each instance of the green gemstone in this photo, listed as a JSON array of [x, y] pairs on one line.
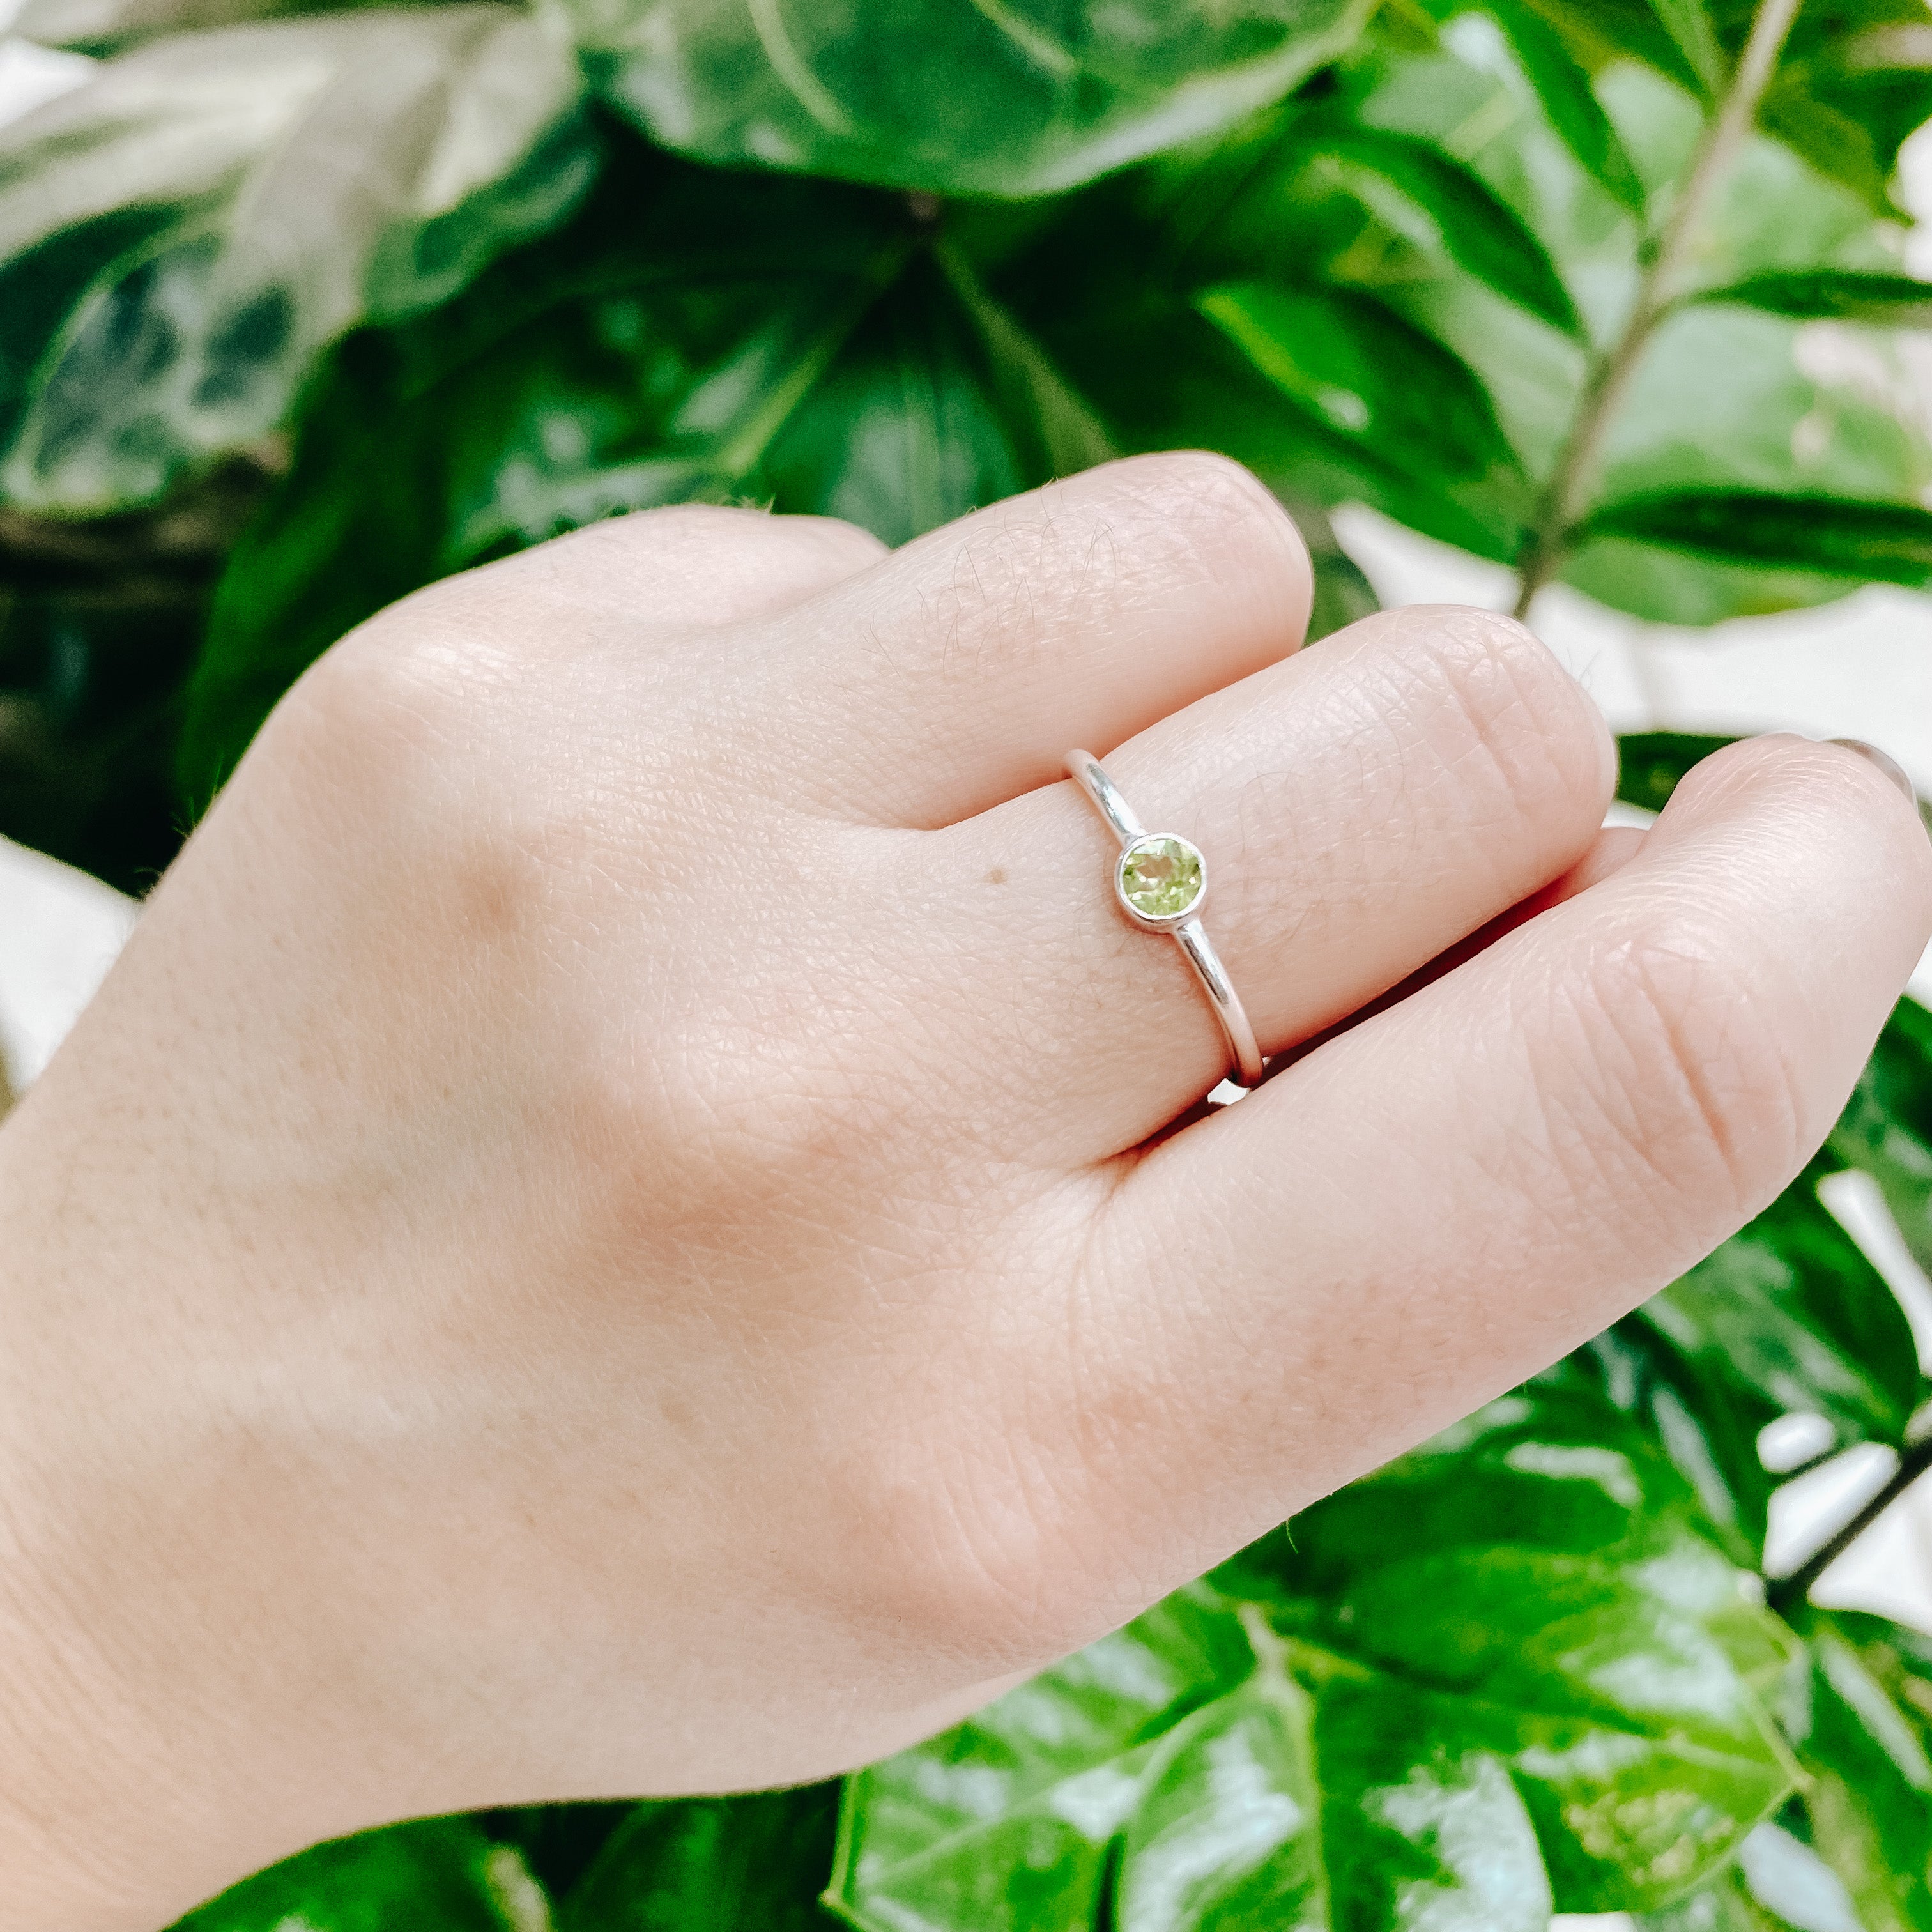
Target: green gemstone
[[1161, 878]]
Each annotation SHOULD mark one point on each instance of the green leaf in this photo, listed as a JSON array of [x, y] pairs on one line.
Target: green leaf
[[180, 236], [1369, 379], [1741, 474], [1352, 292], [1254, 1858], [691, 336], [1510, 1670], [1694, 34], [443, 1873], [1886, 1127], [1650, 763], [1563, 84], [1851, 86], [558, 1844], [1725, 398], [1861, 1722], [1796, 1318], [954, 97], [1441, 209], [1600, 33], [1774, 217], [1860, 543], [1786, 1317], [1897, 1659], [1892, 301], [712, 1864], [1779, 1884], [1588, 1600]]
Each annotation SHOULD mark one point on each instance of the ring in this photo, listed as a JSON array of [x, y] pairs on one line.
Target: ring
[[1160, 880]]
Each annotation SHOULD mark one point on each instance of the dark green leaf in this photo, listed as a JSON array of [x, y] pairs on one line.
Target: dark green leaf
[[1853, 83], [1694, 34], [1787, 1317], [1600, 33], [1369, 379], [1860, 1721], [1900, 302], [179, 236], [1441, 209], [1886, 1127], [443, 1873], [692, 336], [712, 1864], [1509, 1669], [1110, 286], [557, 1843], [99, 624], [957, 97], [1650, 763], [1861, 543], [1562, 84]]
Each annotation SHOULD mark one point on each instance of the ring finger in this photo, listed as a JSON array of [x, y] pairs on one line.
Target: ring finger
[[1362, 806]]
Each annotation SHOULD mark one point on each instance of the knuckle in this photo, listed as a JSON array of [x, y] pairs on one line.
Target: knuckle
[[708, 564], [670, 524], [1828, 781], [1202, 498], [834, 536], [357, 702], [1692, 1099], [391, 686], [1515, 733]]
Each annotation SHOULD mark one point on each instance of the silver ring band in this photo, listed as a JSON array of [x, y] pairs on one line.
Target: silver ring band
[[1159, 882]]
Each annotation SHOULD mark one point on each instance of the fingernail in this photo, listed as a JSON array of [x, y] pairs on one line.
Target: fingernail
[[1890, 767]]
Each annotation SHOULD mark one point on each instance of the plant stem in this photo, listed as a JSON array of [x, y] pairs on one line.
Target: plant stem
[[1785, 1593], [1660, 263]]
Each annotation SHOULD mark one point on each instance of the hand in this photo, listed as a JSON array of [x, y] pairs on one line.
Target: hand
[[605, 1236]]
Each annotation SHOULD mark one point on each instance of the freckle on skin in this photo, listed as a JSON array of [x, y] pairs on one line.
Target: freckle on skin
[[998, 876]]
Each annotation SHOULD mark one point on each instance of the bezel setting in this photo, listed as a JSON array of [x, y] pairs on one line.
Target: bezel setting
[[1160, 921]]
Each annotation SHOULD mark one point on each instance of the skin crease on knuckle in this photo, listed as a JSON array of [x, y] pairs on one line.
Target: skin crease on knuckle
[[1019, 583], [636, 1350], [1006, 607], [1489, 754]]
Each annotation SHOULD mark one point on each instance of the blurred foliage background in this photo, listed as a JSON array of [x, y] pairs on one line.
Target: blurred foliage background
[[302, 308]]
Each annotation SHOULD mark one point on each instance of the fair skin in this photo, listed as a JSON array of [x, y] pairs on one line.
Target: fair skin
[[606, 1236]]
